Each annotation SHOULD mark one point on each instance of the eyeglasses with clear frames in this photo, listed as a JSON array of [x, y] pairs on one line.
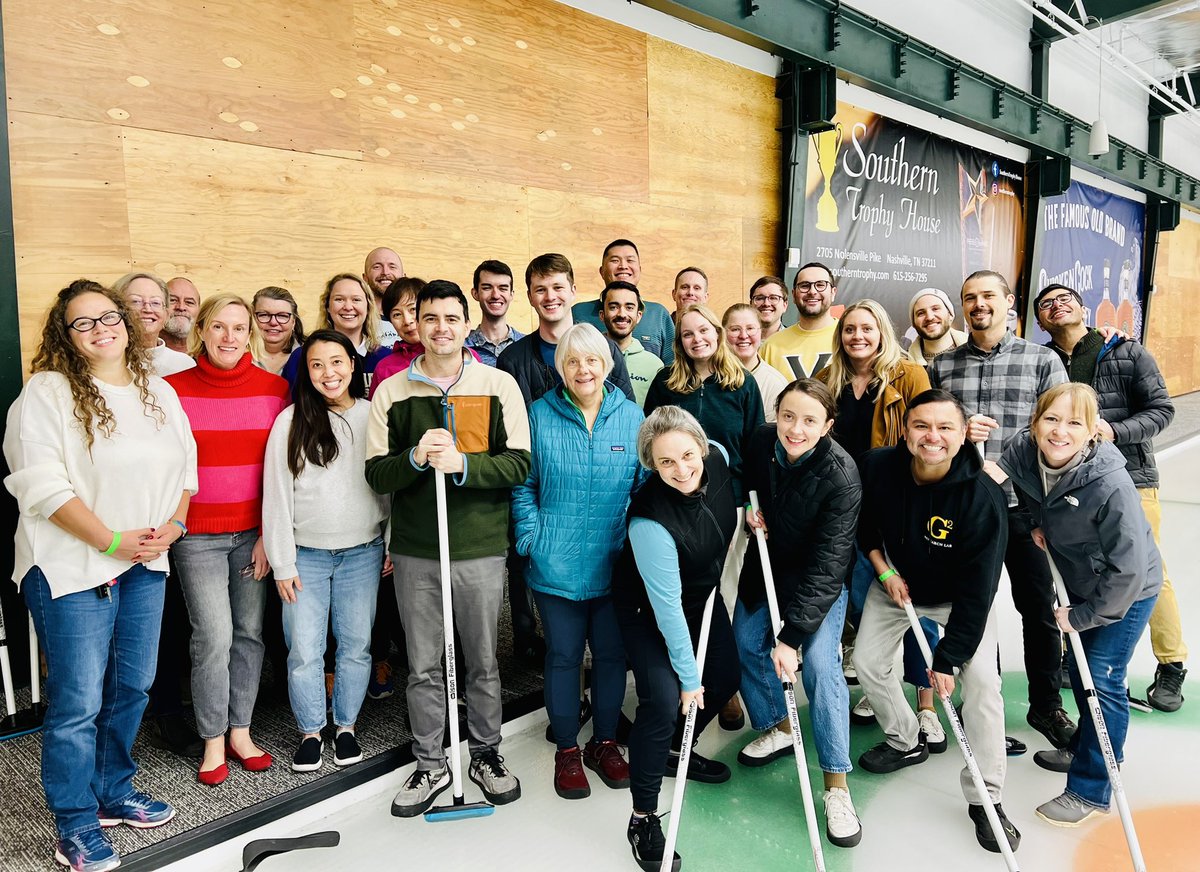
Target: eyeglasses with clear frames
[[281, 318], [1046, 303], [820, 286], [767, 298], [153, 303], [87, 325]]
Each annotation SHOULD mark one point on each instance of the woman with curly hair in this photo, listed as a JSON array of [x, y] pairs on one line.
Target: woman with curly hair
[[103, 469], [231, 404]]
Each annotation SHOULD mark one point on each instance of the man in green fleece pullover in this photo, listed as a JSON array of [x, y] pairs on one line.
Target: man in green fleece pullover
[[449, 413]]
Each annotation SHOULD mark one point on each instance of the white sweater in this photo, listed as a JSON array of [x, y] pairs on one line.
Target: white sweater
[[132, 480], [329, 507], [168, 361]]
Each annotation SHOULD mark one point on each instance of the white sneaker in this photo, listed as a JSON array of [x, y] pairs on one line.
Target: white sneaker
[[848, 670], [862, 713], [931, 732], [771, 745], [842, 826]]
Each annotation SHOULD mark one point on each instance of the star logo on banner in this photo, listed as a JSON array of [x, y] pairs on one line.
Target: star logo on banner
[[977, 197]]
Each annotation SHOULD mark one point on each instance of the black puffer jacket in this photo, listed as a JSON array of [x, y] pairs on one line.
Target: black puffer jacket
[[523, 361], [1134, 400], [811, 511]]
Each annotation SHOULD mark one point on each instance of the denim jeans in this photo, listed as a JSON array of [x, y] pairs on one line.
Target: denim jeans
[[861, 580], [225, 605], [568, 624], [1108, 650], [342, 583], [821, 674], [101, 653]]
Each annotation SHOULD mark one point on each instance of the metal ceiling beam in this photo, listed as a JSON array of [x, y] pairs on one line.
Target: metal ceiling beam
[[1186, 85], [881, 58], [1108, 11]]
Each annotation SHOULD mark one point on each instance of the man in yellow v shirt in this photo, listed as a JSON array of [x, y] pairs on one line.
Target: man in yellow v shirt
[[805, 348]]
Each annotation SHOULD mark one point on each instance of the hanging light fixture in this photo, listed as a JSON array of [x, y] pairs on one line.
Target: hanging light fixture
[[1098, 138]]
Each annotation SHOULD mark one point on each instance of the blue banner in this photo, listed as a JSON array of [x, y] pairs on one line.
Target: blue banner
[[1092, 241]]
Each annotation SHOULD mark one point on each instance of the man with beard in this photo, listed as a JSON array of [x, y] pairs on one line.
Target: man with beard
[[1134, 408], [382, 267], [184, 303], [998, 377], [931, 314], [492, 289], [804, 349], [621, 262], [621, 312]]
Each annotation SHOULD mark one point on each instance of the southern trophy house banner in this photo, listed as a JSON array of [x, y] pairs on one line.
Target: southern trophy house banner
[[893, 209], [1091, 241]]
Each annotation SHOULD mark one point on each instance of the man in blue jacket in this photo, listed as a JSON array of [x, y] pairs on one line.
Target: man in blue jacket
[[1134, 408]]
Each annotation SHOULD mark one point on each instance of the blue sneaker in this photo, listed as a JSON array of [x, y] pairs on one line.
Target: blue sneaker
[[89, 851], [140, 811], [380, 685]]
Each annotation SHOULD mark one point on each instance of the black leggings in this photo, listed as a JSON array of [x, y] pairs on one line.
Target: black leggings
[[1033, 595], [658, 724]]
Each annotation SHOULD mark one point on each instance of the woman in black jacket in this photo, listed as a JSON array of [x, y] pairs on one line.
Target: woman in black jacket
[[809, 494]]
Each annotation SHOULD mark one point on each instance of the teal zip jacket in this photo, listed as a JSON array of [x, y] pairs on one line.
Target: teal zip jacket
[[485, 412], [569, 515]]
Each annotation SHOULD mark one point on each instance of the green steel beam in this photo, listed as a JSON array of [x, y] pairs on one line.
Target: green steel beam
[[879, 57], [10, 337], [1107, 11]]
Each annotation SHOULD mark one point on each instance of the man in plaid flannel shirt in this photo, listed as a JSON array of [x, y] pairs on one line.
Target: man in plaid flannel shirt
[[998, 377]]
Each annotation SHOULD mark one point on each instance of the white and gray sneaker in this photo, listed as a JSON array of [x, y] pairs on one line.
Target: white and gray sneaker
[[842, 826], [862, 713], [771, 745], [1068, 811], [848, 670], [497, 783], [419, 792], [930, 731]]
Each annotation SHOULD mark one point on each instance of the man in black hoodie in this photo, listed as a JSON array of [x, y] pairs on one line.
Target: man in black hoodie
[[935, 527]]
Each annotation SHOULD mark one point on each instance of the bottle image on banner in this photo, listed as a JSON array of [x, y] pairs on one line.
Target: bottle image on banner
[[1106, 312], [1125, 299]]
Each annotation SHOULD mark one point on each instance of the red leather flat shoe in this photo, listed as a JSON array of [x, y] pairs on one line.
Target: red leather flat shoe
[[251, 764], [213, 777]]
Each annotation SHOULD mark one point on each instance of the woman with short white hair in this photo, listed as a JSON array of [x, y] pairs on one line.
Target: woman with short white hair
[[569, 518]]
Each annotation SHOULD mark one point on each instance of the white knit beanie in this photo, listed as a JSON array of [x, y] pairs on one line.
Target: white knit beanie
[[937, 292]]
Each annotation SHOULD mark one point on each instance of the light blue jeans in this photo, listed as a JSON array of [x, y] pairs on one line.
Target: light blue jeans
[[342, 583], [821, 674]]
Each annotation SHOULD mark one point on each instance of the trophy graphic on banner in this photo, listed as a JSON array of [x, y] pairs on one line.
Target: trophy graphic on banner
[[828, 143]]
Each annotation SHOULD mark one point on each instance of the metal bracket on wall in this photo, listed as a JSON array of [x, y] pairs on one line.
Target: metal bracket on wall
[[864, 50]]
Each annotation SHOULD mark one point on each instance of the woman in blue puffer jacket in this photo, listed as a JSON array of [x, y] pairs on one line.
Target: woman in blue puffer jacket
[[570, 521]]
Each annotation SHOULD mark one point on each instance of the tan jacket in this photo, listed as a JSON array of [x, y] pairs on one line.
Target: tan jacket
[[917, 355], [888, 420]]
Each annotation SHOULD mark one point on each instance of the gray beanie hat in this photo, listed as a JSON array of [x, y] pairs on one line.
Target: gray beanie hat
[[937, 292]]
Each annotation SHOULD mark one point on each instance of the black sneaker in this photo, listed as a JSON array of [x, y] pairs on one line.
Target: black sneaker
[[983, 830], [648, 842], [1054, 761], [308, 756], [1055, 725], [346, 751], [585, 715], [1166, 693], [883, 758], [1014, 747], [699, 769]]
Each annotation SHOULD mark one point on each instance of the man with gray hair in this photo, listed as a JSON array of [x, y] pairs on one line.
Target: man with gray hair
[[183, 301], [147, 296]]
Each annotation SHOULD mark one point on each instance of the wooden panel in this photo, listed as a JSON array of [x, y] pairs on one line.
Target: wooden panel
[[257, 72], [668, 239], [237, 217], [1170, 335], [713, 138], [532, 92], [760, 252]]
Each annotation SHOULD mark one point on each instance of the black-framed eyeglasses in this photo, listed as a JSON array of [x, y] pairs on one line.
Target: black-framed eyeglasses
[[281, 318], [820, 286], [87, 325], [767, 298], [1046, 303]]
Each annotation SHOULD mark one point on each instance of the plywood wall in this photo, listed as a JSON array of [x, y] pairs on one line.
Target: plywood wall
[[1171, 336], [277, 142]]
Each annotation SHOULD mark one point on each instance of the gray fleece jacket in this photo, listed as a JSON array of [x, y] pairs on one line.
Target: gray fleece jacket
[[1098, 534]]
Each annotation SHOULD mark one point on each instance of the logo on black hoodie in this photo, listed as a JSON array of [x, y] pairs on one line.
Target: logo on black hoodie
[[938, 529]]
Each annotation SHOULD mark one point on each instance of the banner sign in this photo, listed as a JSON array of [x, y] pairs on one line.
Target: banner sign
[[893, 209], [1091, 241]]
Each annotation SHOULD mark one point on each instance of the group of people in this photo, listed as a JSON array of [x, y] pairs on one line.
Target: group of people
[[601, 465]]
